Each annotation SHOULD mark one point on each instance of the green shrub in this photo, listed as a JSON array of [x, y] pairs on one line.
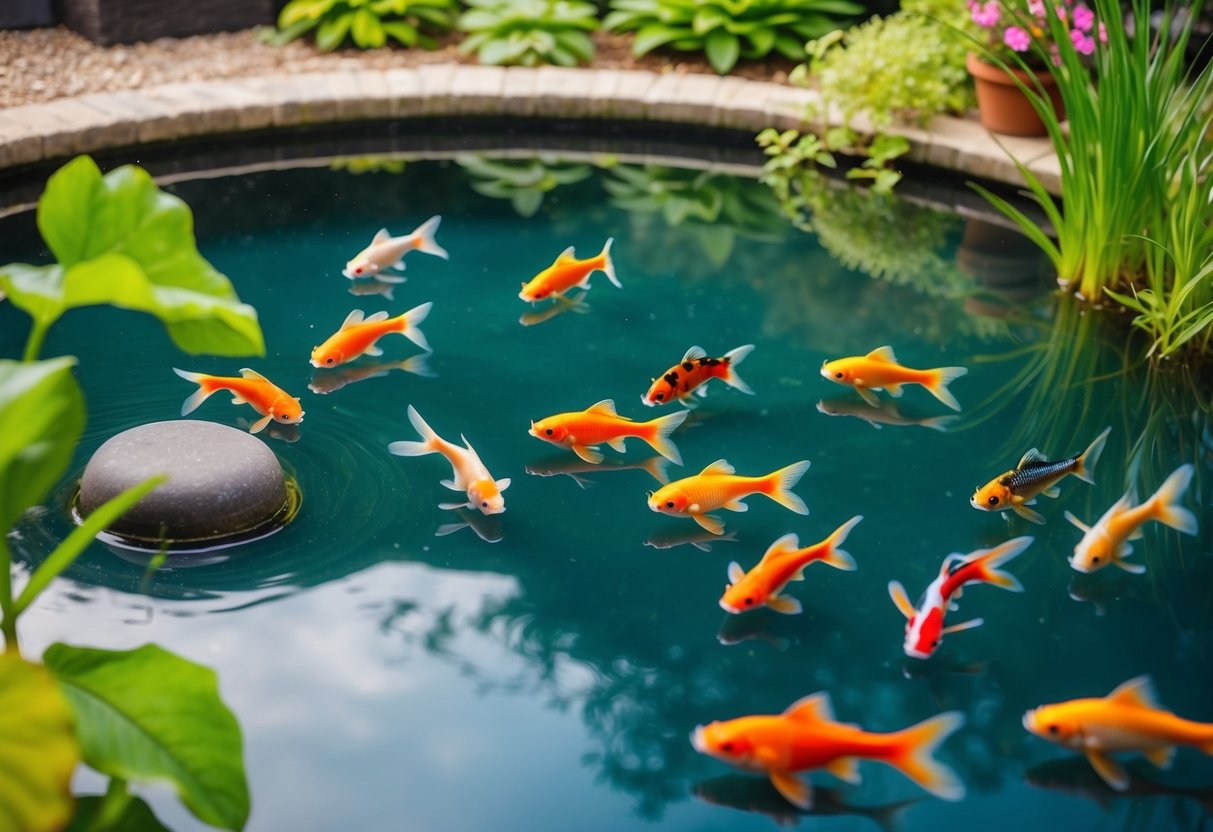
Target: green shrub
[[369, 23], [529, 32], [727, 29]]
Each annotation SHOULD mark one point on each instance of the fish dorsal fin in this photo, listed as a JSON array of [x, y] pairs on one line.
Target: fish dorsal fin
[[381, 236], [378, 316], [253, 375], [787, 543], [1032, 456], [566, 255], [353, 319], [1138, 692], [884, 354], [812, 708], [720, 466], [693, 353], [736, 573], [606, 406]]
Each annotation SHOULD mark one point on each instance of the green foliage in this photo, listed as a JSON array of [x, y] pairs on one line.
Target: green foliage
[[795, 161], [726, 30], [38, 751], [524, 182], [368, 23], [529, 32], [146, 715], [120, 240], [903, 68], [124, 813]]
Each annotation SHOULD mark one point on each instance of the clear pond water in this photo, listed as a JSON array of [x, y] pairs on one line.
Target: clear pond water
[[396, 666]]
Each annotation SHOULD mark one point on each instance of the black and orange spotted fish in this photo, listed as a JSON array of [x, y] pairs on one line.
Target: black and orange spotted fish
[[693, 371]]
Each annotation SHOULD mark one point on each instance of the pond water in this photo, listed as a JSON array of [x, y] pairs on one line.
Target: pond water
[[397, 666]]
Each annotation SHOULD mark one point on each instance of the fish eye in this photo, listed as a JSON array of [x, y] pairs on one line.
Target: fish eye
[[660, 396], [548, 431], [328, 361], [838, 375], [484, 504], [993, 501], [727, 747], [670, 504], [1095, 559], [749, 602], [1053, 729]]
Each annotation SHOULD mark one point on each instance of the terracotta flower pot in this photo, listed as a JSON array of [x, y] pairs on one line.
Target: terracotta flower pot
[[1003, 106]]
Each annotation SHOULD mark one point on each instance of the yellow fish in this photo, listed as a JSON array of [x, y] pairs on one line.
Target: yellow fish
[[879, 370]]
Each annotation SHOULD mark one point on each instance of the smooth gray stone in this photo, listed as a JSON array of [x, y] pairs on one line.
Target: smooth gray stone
[[221, 481]]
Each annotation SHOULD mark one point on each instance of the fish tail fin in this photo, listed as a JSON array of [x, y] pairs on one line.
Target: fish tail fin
[[1166, 499], [608, 265], [735, 357], [656, 467], [941, 378], [939, 423], [409, 325], [1085, 465], [660, 435], [781, 482], [202, 394], [425, 238], [836, 557], [913, 755], [987, 570], [429, 439], [418, 365]]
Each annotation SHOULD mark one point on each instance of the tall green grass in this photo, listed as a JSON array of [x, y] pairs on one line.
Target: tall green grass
[[1134, 160]]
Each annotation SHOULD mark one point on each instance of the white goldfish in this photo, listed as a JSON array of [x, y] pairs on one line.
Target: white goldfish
[[387, 252]]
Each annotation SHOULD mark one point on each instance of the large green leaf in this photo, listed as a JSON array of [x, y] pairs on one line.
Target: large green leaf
[[722, 48], [38, 750], [148, 715], [41, 418], [93, 815], [120, 240]]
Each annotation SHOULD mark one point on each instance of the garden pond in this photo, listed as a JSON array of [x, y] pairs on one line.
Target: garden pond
[[398, 666]]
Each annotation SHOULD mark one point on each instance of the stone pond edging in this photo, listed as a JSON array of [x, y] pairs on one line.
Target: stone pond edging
[[95, 122]]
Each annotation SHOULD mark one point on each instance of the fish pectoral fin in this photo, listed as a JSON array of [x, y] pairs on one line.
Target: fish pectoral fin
[[238, 400], [900, 600], [709, 523], [453, 506], [894, 390], [846, 769], [1075, 521], [617, 445], [372, 351], [1108, 769], [1161, 757], [785, 605], [451, 484], [702, 391], [736, 505], [1052, 491], [967, 625], [260, 424], [1029, 515], [588, 454], [1137, 534], [736, 573], [1131, 568], [868, 396], [794, 790]]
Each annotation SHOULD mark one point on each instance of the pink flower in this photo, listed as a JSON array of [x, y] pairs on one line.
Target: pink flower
[[1062, 14], [1084, 18], [1103, 33], [1037, 8], [1083, 44], [987, 14], [1016, 39]]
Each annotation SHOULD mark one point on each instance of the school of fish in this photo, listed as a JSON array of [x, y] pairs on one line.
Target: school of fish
[[805, 736]]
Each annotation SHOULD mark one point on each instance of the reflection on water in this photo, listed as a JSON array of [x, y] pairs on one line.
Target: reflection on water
[[751, 794], [384, 654]]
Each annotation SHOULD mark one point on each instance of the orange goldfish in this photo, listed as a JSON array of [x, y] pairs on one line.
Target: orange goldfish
[[879, 370], [568, 272], [483, 492], [271, 401], [1127, 719], [1108, 540], [806, 736], [585, 430], [387, 252], [718, 486], [784, 562], [357, 335], [1034, 475], [695, 370]]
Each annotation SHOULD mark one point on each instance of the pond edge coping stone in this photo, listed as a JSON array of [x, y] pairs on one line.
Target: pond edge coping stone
[[65, 127]]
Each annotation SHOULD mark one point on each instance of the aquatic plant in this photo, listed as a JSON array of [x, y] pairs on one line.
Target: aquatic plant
[[120, 240], [524, 182], [726, 30], [793, 169], [529, 32], [368, 23], [143, 715], [1133, 166]]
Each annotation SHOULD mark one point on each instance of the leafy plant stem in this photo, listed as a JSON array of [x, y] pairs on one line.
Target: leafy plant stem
[[33, 345], [8, 620], [117, 798]]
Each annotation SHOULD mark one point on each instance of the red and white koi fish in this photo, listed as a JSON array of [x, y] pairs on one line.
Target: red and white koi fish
[[1108, 540], [719, 486], [252, 388], [806, 736], [783, 563], [358, 335], [568, 272], [583, 431], [387, 252], [924, 625], [1127, 719], [470, 475], [1034, 475], [879, 370], [695, 370]]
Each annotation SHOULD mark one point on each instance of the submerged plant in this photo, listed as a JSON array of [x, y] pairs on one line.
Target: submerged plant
[[726, 30], [529, 32], [368, 23], [524, 182]]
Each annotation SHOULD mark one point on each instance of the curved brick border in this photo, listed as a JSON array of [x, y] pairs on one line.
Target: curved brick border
[[102, 121]]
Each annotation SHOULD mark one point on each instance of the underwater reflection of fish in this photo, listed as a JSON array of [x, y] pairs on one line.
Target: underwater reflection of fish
[[384, 285], [883, 413], [326, 381], [756, 626], [283, 433], [701, 539], [752, 794], [1074, 776], [559, 305], [487, 527], [573, 467]]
